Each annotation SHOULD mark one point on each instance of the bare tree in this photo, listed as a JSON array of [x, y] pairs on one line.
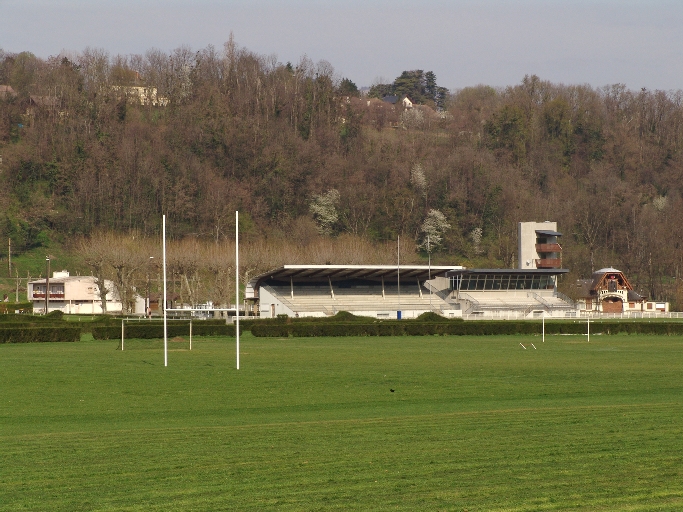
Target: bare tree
[[127, 257], [95, 252]]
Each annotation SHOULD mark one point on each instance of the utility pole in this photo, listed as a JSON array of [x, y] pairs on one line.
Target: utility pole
[[47, 286], [429, 256], [9, 257], [398, 268]]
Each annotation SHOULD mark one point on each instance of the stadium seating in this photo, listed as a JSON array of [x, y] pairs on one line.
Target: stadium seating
[[310, 299]]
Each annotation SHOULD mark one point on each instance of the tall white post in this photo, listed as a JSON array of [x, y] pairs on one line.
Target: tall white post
[[164, 298], [429, 256], [398, 268], [544, 326], [588, 324], [237, 286]]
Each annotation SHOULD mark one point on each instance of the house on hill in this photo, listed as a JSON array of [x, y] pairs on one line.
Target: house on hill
[[142, 95], [405, 101], [7, 92]]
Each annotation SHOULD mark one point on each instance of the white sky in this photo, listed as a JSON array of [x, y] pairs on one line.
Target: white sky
[[465, 42]]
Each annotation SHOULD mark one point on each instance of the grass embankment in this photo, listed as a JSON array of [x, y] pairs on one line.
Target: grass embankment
[[474, 423]]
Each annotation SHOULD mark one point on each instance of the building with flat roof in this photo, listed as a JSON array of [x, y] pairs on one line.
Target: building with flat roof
[[538, 245], [76, 295]]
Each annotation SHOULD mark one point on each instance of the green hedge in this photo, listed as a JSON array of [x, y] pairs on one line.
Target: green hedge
[[41, 334], [458, 328], [27, 307], [14, 318], [156, 330], [27, 325], [116, 319]]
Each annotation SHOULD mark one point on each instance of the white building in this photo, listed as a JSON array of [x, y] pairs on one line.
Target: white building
[[538, 244], [76, 295]]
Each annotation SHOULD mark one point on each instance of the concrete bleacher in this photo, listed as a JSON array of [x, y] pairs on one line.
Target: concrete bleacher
[[524, 302], [359, 299]]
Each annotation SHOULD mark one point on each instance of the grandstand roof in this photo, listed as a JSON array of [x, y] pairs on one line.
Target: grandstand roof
[[547, 232], [341, 272], [516, 271]]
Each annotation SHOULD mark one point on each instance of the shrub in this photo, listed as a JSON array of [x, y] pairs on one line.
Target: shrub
[[55, 315], [448, 327], [345, 316], [39, 334], [430, 316], [25, 307], [156, 330]]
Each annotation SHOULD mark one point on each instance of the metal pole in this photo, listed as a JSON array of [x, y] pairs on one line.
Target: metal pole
[[589, 329], [237, 286], [543, 326], [165, 324], [398, 268], [148, 308], [190, 333], [122, 334], [47, 286], [429, 256]]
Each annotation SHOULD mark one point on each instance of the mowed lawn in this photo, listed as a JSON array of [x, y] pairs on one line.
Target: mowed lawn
[[474, 423]]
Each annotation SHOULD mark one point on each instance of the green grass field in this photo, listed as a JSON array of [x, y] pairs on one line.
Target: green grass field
[[311, 424]]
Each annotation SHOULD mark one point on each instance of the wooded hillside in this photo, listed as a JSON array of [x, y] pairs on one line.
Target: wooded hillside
[[95, 143]]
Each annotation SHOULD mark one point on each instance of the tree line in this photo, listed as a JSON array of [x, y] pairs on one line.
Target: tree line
[[201, 271], [307, 159]]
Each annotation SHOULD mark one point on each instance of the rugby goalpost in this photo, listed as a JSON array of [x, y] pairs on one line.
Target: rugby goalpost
[[237, 296], [588, 328]]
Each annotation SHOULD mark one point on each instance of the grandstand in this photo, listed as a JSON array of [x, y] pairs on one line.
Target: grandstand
[[383, 291], [379, 291], [509, 293]]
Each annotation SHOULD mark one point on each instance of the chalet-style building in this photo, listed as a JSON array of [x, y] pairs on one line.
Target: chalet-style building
[[609, 291]]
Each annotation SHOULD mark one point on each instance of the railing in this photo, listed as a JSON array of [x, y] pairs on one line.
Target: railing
[[549, 263], [632, 314], [444, 295], [38, 295], [622, 294], [280, 297], [565, 298], [559, 314], [546, 305], [543, 248], [474, 303]]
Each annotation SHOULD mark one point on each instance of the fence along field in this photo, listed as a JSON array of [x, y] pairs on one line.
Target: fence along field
[[474, 423]]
